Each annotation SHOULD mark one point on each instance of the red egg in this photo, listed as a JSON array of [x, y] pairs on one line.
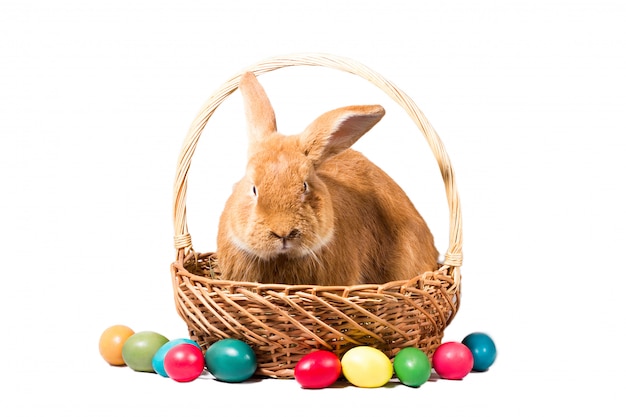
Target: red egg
[[184, 362], [453, 360], [319, 369]]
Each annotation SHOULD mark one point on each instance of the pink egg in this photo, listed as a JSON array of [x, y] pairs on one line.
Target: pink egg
[[319, 369], [453, 360], [184, 362]]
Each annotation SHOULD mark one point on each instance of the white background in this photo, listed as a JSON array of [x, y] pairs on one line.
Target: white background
[[96, 99]]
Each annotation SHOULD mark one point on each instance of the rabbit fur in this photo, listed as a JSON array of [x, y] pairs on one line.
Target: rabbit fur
[[311, 210]]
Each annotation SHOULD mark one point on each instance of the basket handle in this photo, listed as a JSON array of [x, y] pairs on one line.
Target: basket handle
[[182, 238]]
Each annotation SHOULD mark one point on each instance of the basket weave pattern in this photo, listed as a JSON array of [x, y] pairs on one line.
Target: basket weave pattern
[[284, 322]]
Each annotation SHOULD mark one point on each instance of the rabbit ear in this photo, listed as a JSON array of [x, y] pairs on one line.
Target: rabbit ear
[[335, 131], [259, 112]]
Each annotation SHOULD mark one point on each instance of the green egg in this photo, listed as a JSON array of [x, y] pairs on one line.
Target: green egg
[[412, 366], [139, 349]]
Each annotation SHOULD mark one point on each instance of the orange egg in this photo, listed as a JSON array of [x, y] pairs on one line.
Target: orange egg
[[111, 343]]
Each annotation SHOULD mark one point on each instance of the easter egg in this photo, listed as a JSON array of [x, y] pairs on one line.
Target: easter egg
[[366, 367], [483, 350], [230, 360], [412, 366], [453, 360], [111, 342], [319, 369], [159, 356], [184, 362], [140, 348]]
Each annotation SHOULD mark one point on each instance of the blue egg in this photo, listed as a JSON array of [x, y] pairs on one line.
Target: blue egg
[[159, 356], [483, 349]]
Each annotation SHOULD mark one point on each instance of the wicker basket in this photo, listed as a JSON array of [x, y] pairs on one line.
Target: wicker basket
[[284, 322]]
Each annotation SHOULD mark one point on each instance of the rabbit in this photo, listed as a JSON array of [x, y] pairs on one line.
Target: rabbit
[[312, 211]]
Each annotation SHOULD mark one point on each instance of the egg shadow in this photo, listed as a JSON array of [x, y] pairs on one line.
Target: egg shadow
[[206, 375]]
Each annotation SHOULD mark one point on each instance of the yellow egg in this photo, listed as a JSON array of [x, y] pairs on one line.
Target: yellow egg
[[366, 367], [111, 342]]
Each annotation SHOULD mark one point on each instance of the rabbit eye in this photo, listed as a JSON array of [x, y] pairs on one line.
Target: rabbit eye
[[305, 186], [254, 190]]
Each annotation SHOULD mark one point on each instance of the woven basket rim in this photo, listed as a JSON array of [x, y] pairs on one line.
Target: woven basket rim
[[182, 238], [398, 285]]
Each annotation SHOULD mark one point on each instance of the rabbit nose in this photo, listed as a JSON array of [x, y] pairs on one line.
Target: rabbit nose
[[293, 234]]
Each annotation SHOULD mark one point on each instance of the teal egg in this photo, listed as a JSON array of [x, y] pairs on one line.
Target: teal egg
[[159, 357], [230, 360], [483, 350]]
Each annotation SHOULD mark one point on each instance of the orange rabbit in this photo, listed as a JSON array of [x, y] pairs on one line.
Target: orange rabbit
[[310, 210]]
